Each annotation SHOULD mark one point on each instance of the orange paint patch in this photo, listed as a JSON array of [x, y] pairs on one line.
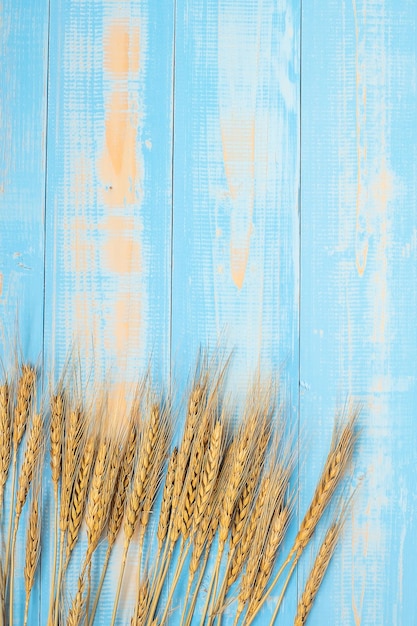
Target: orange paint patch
[[238, 141], [120, 166], [116, 130], [238, 264], [120, 170], [121, 254], [116, 52]]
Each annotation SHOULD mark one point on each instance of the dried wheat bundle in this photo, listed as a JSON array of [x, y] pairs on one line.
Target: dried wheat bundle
[[211, 505]]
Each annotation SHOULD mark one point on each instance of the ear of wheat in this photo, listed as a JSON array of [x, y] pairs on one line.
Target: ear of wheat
[[225, 492], [33, 548], [317, 573], [5, 439]]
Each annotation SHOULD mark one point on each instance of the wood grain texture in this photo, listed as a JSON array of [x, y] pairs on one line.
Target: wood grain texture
[[23, 63], [236, 177], [109, 198], [109, 185], [24, 57], [358, 297], [172, 221]]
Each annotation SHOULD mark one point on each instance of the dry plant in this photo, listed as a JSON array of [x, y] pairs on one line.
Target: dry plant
[[33, 548], [5, 440], [226, 500], [31, 469], [317, 572], [152, 451], [337, 462], [21, 411]]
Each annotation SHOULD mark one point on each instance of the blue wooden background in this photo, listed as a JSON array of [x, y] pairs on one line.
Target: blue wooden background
[[175, 171]]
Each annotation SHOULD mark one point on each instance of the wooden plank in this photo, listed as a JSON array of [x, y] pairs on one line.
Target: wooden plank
[[23, 86], [235, 246], [109, 193], [23, 76], [358, 268]]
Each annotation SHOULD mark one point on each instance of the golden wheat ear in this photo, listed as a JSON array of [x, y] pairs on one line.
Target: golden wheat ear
[[5, 440], [33, 548], [317, 573], [338, 461]]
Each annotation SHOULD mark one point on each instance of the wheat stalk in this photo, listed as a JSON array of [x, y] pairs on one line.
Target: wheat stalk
[[56, 437], [184, 520], [56, 441], [166, 504], [79, 495], [34, 447], [99, 495], [242, 550], [126, 472], [196, 405], [118, 505], [73, 437], [33, 547], [317, 573], [5, 439], [151, 431], [76, 611], [276, 535], [209, 472], [148, 445], [30, 467], [141, 609], [337, 462], [74, 432], [25, 388], [24, 394]]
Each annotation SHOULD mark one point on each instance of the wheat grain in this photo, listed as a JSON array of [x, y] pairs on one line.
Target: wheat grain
[[73, 436], [5, 439], [139, 619], [146, 454], [239, 467], [317, 573], [276, 535], [336, 464], [209, 472], [30, 461], [75, 614], [196, 405], [185, 518], [155, 475], [165, 512], [251, 571], [56, 437], [101, 492], [33, 547], [79, 494], [123, 484], [25, 389], [241, 553]]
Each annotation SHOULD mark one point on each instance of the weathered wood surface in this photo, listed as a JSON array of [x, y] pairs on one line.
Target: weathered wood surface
[[239, 173]]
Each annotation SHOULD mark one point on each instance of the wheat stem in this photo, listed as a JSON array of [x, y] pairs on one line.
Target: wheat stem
[[100, 584], [55, 560], [59, 577], [178, 570], [10, 524], [119, 582], [196, 590]]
